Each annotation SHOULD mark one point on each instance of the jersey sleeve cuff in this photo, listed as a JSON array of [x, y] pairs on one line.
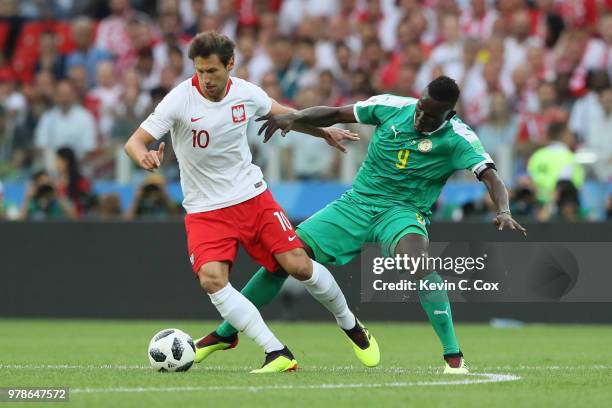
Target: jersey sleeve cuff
[[481, 167], [268, 108], [150, 129], [355, 106]]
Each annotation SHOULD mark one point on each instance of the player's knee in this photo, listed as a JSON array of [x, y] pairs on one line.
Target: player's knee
[[298, 264], [212, 279]]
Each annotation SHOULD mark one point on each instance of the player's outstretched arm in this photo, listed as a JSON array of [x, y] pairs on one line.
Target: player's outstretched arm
[[314, 121], [499, 195], [136, 148]]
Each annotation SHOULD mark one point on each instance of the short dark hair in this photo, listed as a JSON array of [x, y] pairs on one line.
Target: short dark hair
[[556, 130], [210, 42], [443, 89]]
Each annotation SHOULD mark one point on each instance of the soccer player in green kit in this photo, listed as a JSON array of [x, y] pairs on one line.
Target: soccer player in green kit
[[417, 145]]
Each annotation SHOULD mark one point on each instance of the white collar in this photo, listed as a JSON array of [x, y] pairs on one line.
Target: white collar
[[433, 131]]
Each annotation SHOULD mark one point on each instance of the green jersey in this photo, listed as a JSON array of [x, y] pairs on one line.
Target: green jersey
[[408, 168]]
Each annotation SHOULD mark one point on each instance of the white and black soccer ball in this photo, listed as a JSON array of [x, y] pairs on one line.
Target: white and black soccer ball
[[171, 350]]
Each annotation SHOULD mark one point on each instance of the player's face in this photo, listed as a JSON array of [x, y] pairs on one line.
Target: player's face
[[430, 114], [213, 75]]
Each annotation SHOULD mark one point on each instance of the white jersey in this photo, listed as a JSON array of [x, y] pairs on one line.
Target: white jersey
[[210, 142]]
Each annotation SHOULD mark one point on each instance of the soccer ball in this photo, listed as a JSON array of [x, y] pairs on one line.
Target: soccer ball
[[171, 350]]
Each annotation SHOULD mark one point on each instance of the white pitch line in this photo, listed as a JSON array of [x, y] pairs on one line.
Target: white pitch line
[[486, 378], [390, 369]]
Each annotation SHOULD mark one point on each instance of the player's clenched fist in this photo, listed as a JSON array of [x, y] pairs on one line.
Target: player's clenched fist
[[153, 158]]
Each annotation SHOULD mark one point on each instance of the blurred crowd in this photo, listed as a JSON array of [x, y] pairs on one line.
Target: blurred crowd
[[78, 76]]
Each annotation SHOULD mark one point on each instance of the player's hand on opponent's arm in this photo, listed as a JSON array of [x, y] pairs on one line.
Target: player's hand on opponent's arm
[[504, 219], [285, 122], [153, 158], [335, 136], [273, 123]]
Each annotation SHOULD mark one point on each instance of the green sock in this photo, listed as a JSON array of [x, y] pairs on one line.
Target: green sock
[[261, 289], [436, 305]]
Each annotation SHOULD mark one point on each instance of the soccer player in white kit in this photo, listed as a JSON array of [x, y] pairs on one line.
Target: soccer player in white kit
[[227, 200]]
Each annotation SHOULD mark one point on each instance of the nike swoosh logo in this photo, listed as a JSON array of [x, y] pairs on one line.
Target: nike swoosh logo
[[196, 119], [439, 312], [292, 238]]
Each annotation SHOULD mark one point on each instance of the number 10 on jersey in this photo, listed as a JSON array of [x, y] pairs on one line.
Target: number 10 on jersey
[[200, 139], [282, 219]]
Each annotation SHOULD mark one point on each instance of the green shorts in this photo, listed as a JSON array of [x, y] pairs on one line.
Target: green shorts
[[337, 232]]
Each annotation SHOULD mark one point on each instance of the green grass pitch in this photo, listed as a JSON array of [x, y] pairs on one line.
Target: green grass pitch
[[104, 363]]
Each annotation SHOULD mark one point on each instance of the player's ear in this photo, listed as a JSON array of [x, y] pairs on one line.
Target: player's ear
[[230, 64]]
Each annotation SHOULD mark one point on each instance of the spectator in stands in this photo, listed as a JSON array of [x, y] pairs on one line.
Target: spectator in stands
[[287, 68], [406, 78], [252, 56], [303, 158], [152, 200], [470, 67], [478, 88], [77, 75], [477, 20], [13, 109], [169, 78], [42, 202], [107, 207], [292, 12], [269, 83], [140, 35], [49, 58], [71, 184], [66, 124], [598, 140], [112, 33], [498, 135], [371, 59], [40, 99], [308, 57], [176, 61], [228, 18], [330, 89], [567, 202], [43, 89], [146, 69], [171, 38], [343, 66], [448, 54], [517, 44], [11, 99], [86, 53], [597, 55], [555, 162], [533, 126], [105, 96], [191, 10], [523, 201], [129, 112], [587, 108], [565, 206]]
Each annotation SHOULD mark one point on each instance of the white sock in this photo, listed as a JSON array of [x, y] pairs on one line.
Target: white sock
[[323, 287], [244, 316]]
